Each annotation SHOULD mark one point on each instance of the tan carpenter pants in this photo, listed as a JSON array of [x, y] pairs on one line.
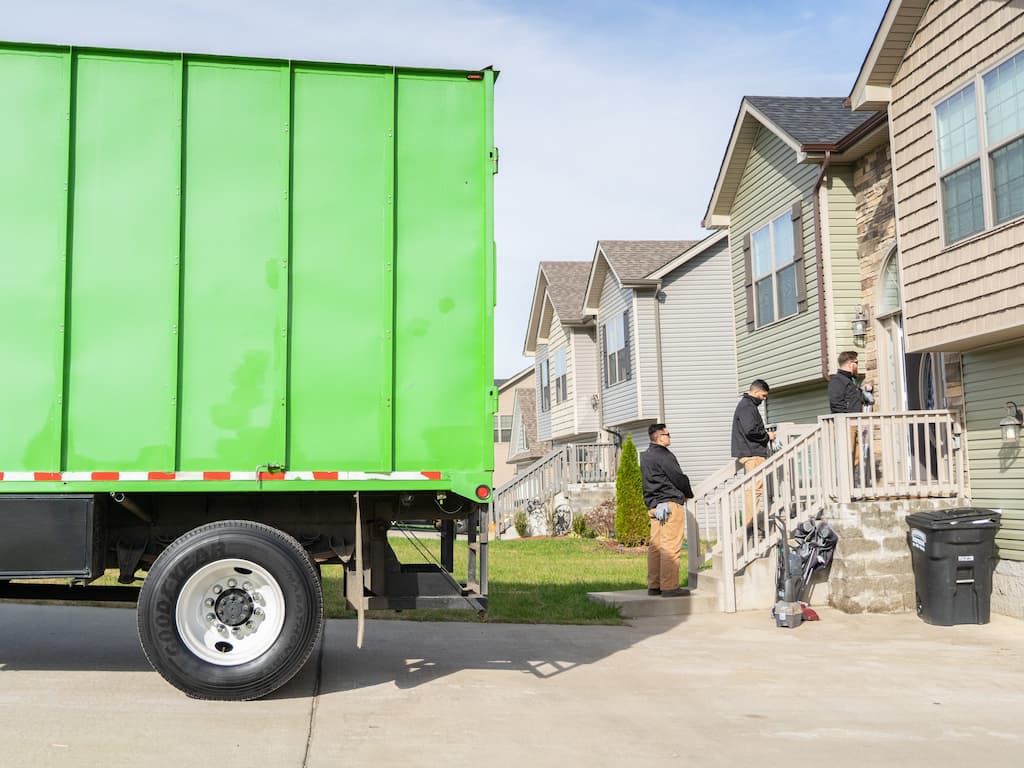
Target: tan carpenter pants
[[663, 551], [752, 500]]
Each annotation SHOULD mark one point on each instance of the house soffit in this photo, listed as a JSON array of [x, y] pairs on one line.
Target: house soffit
[[749, 121], [871, 90], [595, 283]]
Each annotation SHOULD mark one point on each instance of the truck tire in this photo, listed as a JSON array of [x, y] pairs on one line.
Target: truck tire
[[230, 611]]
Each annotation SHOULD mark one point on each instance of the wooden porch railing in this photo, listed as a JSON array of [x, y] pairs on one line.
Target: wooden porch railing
[[841, 459]]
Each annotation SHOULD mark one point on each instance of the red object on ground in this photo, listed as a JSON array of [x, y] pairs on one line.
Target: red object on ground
[[809, 613]]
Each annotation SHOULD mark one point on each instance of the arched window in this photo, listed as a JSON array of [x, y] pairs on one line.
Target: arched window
[[889, 299]]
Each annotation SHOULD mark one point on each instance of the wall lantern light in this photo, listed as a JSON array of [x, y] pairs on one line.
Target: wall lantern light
[[1011, 424], [860, 324]]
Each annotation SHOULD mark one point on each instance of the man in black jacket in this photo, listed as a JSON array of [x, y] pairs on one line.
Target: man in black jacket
[[845, 395], [750, 442], [666, 490]]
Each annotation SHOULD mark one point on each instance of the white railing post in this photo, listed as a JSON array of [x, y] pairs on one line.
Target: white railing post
[[728, 554]]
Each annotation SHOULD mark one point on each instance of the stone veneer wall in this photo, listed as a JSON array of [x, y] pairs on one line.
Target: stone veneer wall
[[1008, 589], [876, 236], [872, 571]]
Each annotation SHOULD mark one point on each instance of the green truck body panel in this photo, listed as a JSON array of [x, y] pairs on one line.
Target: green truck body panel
[[267, 268]]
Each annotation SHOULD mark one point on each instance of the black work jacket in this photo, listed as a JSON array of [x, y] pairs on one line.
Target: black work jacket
[[663, 479], [844, 393], [749, 437]]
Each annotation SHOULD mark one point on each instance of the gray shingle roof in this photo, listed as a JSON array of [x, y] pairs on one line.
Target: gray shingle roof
[[567, 282], [810, 120], [636, 259], [526, 399]]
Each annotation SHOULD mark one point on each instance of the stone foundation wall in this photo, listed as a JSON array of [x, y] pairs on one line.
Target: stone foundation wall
[[872, 571], [1008, 589]]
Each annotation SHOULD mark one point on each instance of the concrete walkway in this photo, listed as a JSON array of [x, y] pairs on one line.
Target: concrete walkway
[[708, 690]]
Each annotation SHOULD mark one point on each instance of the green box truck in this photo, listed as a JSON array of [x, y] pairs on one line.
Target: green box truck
[[247, 311]]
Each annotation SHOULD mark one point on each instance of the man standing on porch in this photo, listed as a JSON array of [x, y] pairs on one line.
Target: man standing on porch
[[750, 442], [845, 395], [666, 490]]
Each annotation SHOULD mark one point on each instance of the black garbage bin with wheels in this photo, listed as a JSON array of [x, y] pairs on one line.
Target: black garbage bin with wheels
[[953, 553]]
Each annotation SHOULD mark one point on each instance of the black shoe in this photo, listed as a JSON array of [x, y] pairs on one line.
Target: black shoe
[[676, 593], [653, 592]]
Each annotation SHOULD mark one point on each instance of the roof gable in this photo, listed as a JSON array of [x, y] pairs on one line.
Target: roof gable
[[896, 30], [558, 292], [631, 262], [803, 123]]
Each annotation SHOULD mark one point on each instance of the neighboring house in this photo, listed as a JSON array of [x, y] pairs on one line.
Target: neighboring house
[[951, 75], [665, 338], [800, 179], [525, 448], [561, 339], [503, 469]]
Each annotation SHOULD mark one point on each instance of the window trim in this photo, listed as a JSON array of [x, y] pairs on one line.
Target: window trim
[[797, 262], [561, 379], [983, 156], [544, 386], [623, 366], [499, 429]]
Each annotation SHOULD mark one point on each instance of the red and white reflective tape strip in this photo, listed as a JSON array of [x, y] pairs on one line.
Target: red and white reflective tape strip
[[108, 477]]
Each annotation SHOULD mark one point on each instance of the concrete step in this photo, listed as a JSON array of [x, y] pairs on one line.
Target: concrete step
[[636, 603]]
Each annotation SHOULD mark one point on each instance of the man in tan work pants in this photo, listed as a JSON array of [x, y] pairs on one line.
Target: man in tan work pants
[[666, 490]]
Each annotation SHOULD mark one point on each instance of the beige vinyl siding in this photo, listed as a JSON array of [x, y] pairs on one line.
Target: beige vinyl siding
[[997, 473], [845, 283], [801, 405], [786, 352], [619, 402], [586, 377], [646, 353], [543, 417], [638, 431], [562, 414], [969, 293], [699, 361]]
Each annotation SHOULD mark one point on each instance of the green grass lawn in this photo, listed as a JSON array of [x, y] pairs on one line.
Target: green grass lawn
[[531, 581]]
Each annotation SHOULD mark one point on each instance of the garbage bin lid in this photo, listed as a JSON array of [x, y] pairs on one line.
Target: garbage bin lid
[[962, 517]]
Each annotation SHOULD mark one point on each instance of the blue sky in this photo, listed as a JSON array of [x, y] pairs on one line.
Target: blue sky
[[611, 117]]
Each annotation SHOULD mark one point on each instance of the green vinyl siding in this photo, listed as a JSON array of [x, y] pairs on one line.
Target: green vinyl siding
[[802, 405], [236, 232], [341, 270], [34, 101], [786, 352], [842, 234], [122, 344], [996, 471]]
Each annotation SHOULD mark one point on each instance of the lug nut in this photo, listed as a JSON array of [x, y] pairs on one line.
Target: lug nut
[[258, 612], [221, 628], [249, 625], [210, 617], [208, 602], [246, 586], [217, 589], [231, 582]]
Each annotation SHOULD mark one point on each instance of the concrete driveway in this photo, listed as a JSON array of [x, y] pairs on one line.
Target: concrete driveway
[[708, 690]]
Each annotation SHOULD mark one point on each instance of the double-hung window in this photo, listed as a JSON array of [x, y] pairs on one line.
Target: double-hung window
[[773, 262], [980, 135], [502, 428], [615, 343], [561, 378], [545, 386]]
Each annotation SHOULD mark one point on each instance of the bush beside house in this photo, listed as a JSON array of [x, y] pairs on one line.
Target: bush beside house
[[632, 524]]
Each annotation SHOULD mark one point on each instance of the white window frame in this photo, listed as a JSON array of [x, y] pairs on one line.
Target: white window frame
[[561, 376], [615, 359], [787, 216], [502, 428], [544, 385], [983, 156]]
